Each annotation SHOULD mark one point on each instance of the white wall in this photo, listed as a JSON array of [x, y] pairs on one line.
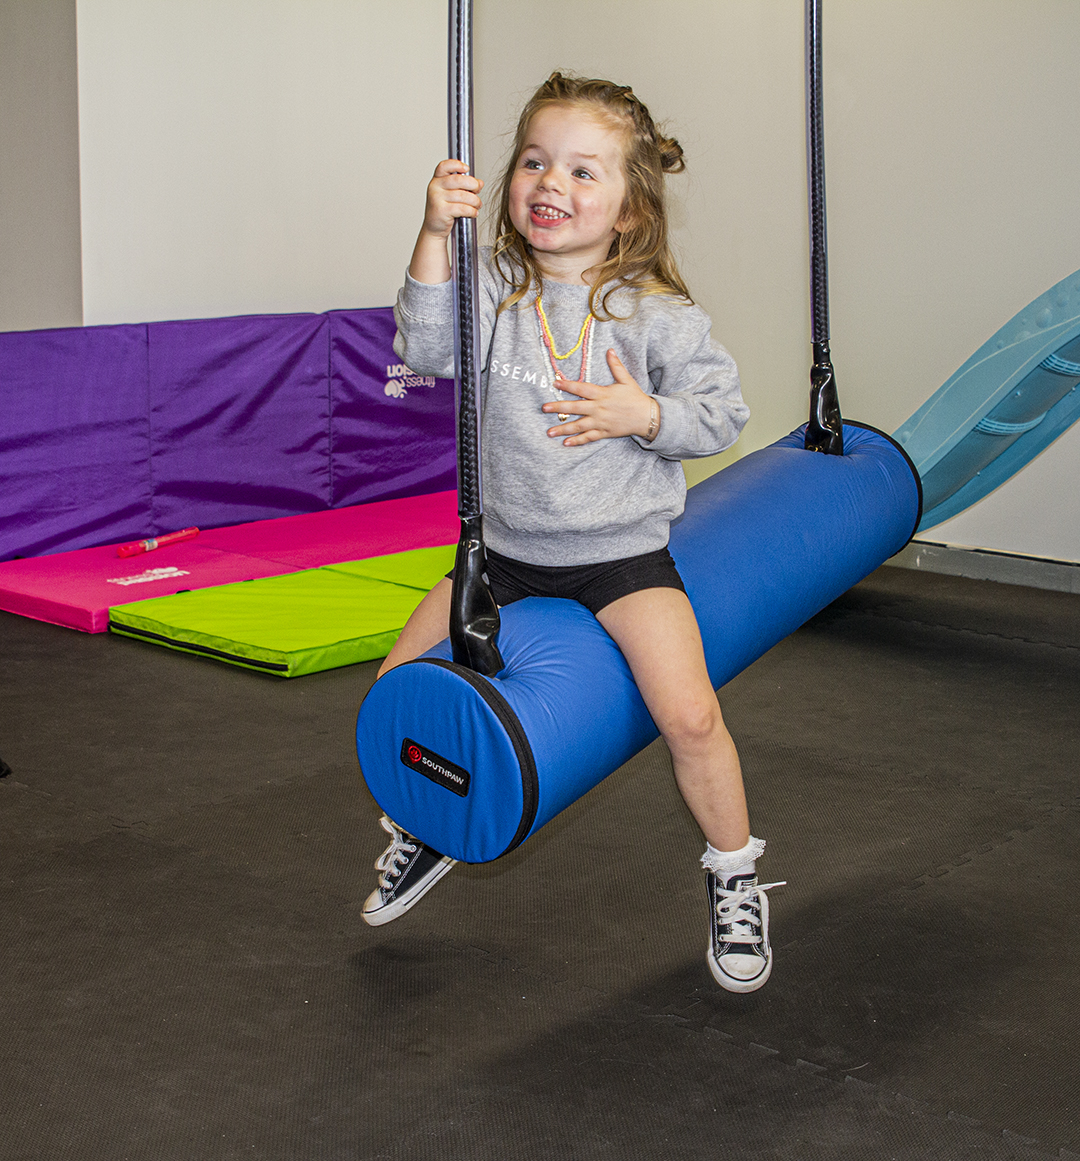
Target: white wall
[[248, 156], [39, 166], [251, 155]]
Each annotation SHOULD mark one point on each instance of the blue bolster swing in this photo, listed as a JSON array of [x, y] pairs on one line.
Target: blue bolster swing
[[473, 765]]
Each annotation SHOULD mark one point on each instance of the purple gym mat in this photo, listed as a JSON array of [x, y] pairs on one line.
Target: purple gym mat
[[393, 431], [74, 438], [240, 423], [120, 432]]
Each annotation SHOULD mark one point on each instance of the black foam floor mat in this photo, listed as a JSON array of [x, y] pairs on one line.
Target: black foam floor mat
[[184, 849]]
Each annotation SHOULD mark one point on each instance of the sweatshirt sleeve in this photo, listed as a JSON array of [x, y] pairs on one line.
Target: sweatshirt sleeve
[[424, 314], [696, 386]]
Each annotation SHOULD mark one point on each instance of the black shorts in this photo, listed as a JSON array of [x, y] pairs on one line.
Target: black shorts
[[594, 585]]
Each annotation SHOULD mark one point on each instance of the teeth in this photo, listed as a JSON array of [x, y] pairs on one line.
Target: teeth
[[548, 212]]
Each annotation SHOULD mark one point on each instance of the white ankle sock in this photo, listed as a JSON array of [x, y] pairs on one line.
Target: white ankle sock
[[728, 863]]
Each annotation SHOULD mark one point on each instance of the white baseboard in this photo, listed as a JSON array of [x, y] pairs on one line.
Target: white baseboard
[[982, 564]]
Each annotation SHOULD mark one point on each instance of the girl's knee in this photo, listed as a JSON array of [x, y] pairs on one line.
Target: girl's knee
[[694, 723]]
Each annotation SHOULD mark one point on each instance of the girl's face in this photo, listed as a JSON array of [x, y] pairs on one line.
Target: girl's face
[[568, 190]]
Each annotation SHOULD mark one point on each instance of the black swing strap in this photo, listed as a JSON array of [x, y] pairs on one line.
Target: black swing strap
[[474, 616], [825, 429]]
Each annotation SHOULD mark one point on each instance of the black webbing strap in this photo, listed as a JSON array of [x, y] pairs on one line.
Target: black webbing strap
[[825, 428], [474, 616]]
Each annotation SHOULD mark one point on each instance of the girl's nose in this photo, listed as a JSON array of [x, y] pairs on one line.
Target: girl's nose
[[551, 179]]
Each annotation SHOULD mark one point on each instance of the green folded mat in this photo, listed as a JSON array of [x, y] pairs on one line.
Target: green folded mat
[[299, 623], [422, 568]]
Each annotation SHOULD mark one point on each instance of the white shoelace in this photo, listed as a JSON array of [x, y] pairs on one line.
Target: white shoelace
[[745, 923], [396, 853]]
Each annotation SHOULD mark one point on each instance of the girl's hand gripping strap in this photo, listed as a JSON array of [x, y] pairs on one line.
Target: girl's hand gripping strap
[[474, 616]]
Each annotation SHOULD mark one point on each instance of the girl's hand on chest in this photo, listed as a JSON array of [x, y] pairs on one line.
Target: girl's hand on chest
[[621, 409]]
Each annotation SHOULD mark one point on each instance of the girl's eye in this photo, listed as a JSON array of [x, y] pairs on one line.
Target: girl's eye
[[583, 173], [531, 163]]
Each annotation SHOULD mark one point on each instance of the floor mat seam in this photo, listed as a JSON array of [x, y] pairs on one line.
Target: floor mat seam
[[880, 616], [938, 871], [843, 1077]]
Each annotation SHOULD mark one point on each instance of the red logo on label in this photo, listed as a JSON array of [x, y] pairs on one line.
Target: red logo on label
[[414, 754]]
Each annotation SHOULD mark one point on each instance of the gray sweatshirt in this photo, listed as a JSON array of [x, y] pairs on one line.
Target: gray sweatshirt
[[553, 505]]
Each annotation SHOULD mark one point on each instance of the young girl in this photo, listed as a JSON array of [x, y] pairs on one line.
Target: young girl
[[580, 468]]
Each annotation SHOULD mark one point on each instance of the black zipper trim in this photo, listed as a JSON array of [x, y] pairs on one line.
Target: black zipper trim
[[500, 707], [192, 647]]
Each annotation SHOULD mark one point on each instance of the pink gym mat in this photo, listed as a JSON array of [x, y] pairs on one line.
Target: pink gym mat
[[76, 589], [341, 534]]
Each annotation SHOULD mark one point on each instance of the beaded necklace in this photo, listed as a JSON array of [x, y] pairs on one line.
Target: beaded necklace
[[584, 342]]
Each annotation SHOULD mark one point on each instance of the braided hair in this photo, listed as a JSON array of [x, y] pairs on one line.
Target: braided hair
[[640, 257]]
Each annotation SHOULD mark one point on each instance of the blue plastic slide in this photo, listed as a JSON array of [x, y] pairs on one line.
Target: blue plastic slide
[[1008, 402]]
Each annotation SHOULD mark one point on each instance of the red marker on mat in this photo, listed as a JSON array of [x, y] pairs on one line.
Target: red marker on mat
[[136, 546]]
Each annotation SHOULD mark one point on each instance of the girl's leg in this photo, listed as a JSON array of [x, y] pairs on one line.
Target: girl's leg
[[429, 624], [407, 868], [658, 634]]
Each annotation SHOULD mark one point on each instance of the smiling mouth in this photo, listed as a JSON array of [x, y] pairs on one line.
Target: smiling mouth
[[548, 214]]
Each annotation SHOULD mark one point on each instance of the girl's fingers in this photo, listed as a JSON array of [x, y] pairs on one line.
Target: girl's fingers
[[472, 203], [581, 430], [571, 427], [603, 412], [454, 171], [576, 406], [446, 205], [460, 182], [619, 371], [576, 387], [583, 437]]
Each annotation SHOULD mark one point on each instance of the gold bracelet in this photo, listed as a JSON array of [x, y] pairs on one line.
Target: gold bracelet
[[654, 421]]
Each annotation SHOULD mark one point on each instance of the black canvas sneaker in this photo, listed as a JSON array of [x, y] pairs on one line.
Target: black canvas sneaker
[[739, 955], [409, 869]]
